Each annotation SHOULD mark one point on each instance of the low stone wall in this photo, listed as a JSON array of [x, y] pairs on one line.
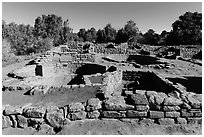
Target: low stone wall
[[83, 57], [189, 52], [103, 50], [142, 106]]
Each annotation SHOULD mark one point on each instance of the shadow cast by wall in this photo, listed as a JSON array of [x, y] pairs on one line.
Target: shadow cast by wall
[[192, 84], [144, 60]]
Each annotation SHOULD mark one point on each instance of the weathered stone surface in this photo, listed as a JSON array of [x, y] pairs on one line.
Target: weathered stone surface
[[45, 129], [12, 110], [21, 121], [117, 103], [6, 122], [171, 108], [35, 122], [142, 107], [159, 98], [13, 120], [186, 106], [149, 93], [172, 114], [166, 121], [155, 99], [143, 92], [52, 108], [55, 118], [127, 93], [194, 121], [197, 114], [185, 113], [93, 115], [34, 112], [93, 104], [191, 113], [77, 115], [172, 101], [156, 114], [76, 107], [147, 121], [139, 99], [195, 100], [181, 121], [136, 114], [113, 114]]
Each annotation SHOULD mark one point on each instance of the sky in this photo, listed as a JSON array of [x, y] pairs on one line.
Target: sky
[[158, 16]]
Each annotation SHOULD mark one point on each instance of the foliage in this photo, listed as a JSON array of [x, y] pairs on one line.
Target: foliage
[[51, 30], [187, 29]]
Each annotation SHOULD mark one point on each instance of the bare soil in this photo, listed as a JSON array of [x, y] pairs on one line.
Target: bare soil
[[113, 127]]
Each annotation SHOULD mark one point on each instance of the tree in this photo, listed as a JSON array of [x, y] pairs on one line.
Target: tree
[[82, 33], [110, 33], [101, 36], [163, 38], [121, 36], [50, 26], [151, 38], [131, 29], [187, 29]]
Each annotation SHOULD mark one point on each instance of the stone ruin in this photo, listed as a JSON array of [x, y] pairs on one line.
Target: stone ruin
[[161, 102], [139, 96]]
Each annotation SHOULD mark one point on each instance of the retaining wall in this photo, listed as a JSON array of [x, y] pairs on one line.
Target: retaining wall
[[143, 107]]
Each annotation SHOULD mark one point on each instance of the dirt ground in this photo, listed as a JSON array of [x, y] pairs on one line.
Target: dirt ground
[[112, 127], [58, 98]]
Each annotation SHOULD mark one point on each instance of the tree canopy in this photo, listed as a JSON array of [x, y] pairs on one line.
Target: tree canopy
[[52, 30]]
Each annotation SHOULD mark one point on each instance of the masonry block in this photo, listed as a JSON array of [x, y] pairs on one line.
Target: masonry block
[[166, 121], [142, 107], [156, 114], [172, 114], [194, 121], [181, 120], [136, 114], [171, 108], [6, 122], [21, 121], [113, 114], [93, 115], [139, 99]]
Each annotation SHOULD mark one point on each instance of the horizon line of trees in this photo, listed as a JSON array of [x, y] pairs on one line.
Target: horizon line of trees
[[52, 30]]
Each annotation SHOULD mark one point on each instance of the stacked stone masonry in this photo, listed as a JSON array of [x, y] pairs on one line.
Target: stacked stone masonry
[[143, 106]]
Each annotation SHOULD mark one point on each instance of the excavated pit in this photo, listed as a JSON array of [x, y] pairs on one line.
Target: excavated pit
[[147, 81]]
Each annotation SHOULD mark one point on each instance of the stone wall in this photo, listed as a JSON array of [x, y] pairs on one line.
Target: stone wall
[[110, 82], [83, 57], [142, 107], [189, 52]]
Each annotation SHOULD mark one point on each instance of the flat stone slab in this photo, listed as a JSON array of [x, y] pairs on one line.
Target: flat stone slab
[[139, 99], [166, 121], [156, 114], [172, 101], [172, 114], [113, 114], [136, 114]]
